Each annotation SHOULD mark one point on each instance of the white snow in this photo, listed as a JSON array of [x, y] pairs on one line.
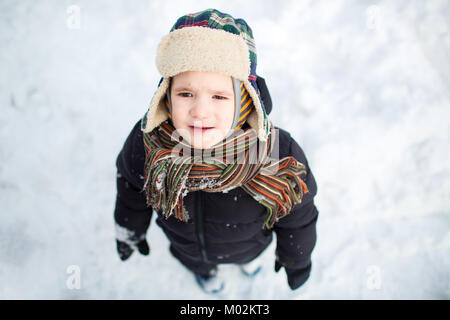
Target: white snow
[[226, 190], [259, 197], [125, 235], [160, 180], [208, 183], [362, 86]]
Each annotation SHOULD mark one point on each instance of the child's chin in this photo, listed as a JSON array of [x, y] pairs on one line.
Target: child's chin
[[206, 141]]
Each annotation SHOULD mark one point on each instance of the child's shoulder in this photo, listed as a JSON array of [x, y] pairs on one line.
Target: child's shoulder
[[132, 156], [288, 146], [284, 139]]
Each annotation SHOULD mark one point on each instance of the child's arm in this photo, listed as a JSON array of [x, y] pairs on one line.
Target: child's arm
[[296, 232], [131, 214]]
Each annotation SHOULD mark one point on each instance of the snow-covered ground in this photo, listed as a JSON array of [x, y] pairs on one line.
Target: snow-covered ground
[[364, 87]]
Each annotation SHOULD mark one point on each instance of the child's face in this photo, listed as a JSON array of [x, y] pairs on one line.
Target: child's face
[[202, 107]]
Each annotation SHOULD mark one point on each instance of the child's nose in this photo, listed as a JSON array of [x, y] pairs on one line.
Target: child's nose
[[201, 108]]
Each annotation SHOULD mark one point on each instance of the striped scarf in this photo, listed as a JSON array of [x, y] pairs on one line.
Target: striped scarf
[[172, 169]]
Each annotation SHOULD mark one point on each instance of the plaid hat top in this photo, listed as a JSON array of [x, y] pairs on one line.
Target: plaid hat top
[[215, 19], [208, 41]]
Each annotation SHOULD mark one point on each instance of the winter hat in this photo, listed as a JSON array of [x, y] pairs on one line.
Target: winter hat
[[208, 41]]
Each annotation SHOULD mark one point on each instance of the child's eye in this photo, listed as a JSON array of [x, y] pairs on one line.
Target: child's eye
[[220, 97], [185, 94]]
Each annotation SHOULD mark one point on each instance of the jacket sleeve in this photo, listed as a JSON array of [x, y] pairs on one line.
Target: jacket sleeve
[[132, 215], [296, 232]]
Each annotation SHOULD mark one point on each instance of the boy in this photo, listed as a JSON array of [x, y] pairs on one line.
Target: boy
[[206, 158]]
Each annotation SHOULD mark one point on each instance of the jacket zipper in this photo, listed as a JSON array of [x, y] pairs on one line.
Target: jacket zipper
[[199, 228]]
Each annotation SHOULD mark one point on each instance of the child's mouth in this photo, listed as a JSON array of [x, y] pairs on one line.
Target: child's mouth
[[200, 129]]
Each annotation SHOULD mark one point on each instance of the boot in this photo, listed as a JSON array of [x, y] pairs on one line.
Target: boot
[[251, 268], [211, 282]]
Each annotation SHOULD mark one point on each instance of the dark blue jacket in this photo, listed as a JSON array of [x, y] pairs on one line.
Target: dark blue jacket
[[223, 227]]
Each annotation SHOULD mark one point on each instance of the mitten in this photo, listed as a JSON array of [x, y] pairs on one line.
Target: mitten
[[126, 249], [127, 241], [296, 277]]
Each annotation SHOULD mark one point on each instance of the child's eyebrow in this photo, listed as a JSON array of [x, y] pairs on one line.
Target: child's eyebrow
[[218, 92], [182, 89], [222, 93]]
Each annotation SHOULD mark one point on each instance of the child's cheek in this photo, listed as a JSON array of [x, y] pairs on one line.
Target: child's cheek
[[178, 117]]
